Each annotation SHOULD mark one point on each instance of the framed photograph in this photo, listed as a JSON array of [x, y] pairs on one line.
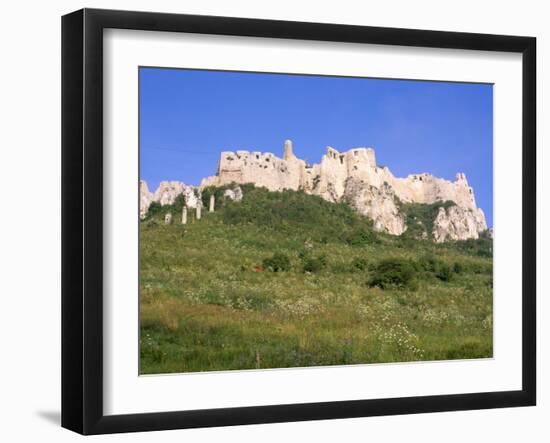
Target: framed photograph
[[268, 221]]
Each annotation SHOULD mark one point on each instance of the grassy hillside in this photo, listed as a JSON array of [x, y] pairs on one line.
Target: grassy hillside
[[287, 279]]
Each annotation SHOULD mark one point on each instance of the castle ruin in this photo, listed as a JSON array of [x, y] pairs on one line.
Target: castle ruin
[[353, 176]]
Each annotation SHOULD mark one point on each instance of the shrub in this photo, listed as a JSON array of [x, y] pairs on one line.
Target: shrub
[[313, 264], [431, 265], [360, 237], [154, 209], [393, 273], [482, 247], [405, 241], [293, 212], [359, 263], [458, 268], [444, 272], [277, 263]]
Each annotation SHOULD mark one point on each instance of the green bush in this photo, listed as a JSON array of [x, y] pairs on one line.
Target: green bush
[[359, 263], [482, 247], [428, 263], [431, 265], [458, 268], [360, 237], [292, 212], [277, 263], [313, 264], [393, 273], [444, 272], [154, 209]]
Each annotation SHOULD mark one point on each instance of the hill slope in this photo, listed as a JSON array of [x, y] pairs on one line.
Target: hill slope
[[287, 279]]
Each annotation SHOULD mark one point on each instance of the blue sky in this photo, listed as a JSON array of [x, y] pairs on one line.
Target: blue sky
[[188, 117]]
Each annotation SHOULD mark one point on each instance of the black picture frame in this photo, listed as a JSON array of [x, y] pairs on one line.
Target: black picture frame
[[82, 218]]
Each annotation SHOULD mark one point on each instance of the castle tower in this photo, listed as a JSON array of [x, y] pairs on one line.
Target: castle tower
[[288, 154], [461, 178]]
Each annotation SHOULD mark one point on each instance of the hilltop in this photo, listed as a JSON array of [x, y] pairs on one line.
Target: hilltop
[[351, 177]]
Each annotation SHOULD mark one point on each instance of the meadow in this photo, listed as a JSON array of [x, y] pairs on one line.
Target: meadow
[[290, 280]]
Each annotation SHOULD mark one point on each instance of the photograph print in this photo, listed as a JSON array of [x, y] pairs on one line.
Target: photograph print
[[296, 220]]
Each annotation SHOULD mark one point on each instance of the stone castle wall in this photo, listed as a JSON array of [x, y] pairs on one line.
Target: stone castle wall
[[328, 178], [352, 176]]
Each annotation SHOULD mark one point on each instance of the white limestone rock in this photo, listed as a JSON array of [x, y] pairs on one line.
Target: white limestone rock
[[235, 194], [379, 204], [458, 223], [145, 199], [166, 194]]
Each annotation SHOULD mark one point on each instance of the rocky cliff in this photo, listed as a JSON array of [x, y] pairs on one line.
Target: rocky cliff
[[458, 223], [166, 194], [355, 178]]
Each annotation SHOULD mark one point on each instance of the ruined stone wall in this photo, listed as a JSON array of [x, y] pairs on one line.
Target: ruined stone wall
[[352, 176], [261, 168]]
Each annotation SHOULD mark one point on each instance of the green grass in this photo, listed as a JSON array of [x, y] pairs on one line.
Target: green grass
[[208, 303]]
